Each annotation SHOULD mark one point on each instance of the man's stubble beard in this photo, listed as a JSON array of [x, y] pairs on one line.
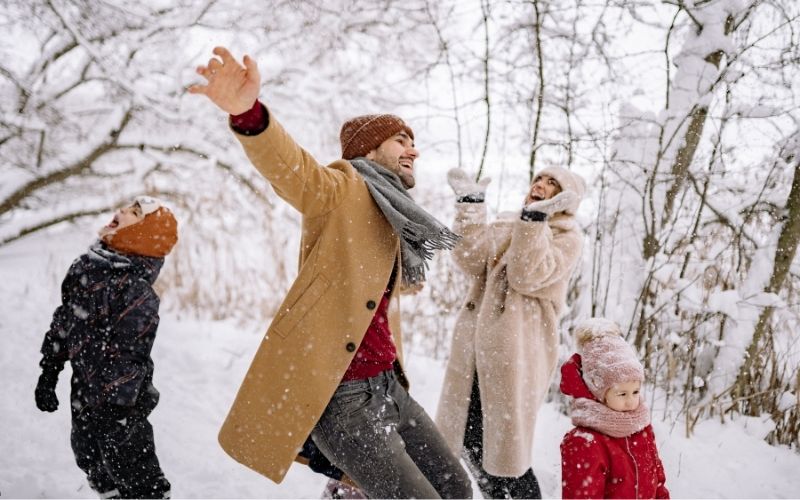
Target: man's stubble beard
[[406, 178]]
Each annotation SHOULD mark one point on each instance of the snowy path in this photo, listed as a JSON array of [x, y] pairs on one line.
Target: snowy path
[[198, 368]]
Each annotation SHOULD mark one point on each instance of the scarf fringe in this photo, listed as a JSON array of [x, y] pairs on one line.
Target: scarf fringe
[[445, 239], [414, 275]]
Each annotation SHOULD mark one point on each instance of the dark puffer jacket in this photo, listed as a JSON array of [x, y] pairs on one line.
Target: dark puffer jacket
[[105, 326]]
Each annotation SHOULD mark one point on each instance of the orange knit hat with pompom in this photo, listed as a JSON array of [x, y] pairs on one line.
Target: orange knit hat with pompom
[[154, 236]]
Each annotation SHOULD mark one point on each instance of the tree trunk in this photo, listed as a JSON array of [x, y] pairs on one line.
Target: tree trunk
[[752, 369]]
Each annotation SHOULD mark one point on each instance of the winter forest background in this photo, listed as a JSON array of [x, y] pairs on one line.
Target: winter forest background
[[683, 116]]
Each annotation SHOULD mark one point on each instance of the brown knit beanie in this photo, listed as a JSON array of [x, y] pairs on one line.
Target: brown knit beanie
[[362, 134], [154, 236]]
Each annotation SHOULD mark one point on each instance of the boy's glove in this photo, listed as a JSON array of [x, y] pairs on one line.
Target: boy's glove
[[467, 190], [46, 399], [557, 203]]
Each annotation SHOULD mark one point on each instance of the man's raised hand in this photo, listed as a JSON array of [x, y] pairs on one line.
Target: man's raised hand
[[232, 87]]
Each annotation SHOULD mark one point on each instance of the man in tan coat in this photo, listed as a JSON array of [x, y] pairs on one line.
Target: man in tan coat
[[330, 364], [505, 342]]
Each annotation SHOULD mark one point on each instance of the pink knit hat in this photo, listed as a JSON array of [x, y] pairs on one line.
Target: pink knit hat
[[606, 358]]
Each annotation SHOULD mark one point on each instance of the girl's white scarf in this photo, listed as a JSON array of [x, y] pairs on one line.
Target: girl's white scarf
[[617, 424]]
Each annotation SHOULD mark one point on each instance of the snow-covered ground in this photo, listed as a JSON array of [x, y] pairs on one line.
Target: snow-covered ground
[[199, 366]]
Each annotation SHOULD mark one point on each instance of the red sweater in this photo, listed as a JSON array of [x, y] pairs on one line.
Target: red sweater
[[595, 465], [377, 351]]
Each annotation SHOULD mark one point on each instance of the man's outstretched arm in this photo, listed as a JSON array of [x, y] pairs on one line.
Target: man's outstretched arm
[[293, 172]]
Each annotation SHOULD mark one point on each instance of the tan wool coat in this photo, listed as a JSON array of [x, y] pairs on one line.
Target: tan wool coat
[[506, 329], [348, 251]]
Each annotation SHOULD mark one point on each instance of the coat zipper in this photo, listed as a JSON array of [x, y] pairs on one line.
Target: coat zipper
[[635, 467]]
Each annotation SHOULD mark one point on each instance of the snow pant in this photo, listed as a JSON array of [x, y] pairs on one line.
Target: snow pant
[[114, 446], [385, 442], [525, 486]]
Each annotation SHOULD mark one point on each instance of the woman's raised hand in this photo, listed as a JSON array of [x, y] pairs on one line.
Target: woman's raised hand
[[463, 185], [558, 203]]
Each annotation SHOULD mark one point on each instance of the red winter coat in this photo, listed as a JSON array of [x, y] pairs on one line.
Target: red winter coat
[[595, 465]]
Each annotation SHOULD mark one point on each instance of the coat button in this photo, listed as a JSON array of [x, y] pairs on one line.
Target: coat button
[[470, 306], [350, 347], [502, 307], [370, 304]]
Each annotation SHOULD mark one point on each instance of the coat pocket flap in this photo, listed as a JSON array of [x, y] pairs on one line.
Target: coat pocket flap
[[297, 311]]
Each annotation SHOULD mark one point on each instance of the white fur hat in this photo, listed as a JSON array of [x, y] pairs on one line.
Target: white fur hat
[[569, 181], [606, 358]]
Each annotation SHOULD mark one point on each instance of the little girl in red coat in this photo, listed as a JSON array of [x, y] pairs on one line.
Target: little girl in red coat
[[611, 452]]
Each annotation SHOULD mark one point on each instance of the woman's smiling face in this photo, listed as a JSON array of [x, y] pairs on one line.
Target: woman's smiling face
[[543, 187]]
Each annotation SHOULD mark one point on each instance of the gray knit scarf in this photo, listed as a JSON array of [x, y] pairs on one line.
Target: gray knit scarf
[[420, 233]]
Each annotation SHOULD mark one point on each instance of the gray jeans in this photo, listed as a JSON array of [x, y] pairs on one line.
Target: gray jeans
[[385, 442]]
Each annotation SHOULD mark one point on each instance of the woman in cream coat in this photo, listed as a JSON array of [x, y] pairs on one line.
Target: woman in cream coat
[[505, 343]]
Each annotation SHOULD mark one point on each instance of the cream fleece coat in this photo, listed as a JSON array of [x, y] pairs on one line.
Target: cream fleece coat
[[506, 329]]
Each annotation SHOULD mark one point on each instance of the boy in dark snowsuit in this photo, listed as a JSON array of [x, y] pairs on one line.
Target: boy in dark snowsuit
[[105, 326]]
